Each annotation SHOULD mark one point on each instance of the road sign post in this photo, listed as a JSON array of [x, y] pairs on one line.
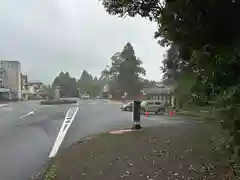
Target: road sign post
[[136, 115]]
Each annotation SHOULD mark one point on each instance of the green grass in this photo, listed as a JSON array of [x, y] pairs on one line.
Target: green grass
[[202, 113], [51, 173]]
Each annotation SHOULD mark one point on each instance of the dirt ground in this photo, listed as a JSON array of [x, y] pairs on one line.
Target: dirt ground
[[182, 152]]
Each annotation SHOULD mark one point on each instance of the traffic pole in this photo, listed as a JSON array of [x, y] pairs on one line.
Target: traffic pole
[[136, 115]]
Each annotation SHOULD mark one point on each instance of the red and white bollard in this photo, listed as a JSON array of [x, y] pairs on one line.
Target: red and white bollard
[[146, 114]]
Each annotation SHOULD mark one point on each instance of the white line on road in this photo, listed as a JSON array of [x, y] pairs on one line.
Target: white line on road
[[2, 105], [62, 132], [28, 114], [7, 108], [92, 103]]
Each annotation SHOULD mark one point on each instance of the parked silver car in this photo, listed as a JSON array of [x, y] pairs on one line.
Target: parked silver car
[[156, 106]]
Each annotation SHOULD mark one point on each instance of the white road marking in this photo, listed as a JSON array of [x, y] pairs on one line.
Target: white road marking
[[67, 116], [32, 101], [62, 132], [2, 105], [28, 114], [7, 108], [92, 103], [113, 102]]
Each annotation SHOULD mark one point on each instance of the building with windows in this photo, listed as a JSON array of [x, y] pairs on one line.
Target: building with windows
[[4, 91], [162, 92], [10, 72]]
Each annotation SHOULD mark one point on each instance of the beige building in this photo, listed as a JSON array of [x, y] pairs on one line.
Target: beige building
[[12, 78]]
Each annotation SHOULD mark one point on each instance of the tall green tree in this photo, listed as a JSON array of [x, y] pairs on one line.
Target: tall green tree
[[148, 83], [85, 82], [126, 71], [89, 84], [68, 85], [178, 74], [171, 65]]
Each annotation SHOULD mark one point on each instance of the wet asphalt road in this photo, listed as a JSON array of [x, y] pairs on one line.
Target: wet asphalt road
[[28, 131], [25, 142]]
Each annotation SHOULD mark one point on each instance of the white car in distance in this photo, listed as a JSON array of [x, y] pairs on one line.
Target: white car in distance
[[85, 96]]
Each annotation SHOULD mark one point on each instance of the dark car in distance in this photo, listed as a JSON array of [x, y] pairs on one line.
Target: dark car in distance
[[127, 107]]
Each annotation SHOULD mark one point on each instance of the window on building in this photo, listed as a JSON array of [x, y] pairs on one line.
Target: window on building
[[168, 100], [150, 103], [1, 84], [157, 103]]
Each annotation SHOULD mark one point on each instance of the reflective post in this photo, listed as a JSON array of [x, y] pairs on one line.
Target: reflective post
[[136, 115]]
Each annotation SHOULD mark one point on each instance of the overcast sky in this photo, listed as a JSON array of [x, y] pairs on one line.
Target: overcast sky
[[49, 36]]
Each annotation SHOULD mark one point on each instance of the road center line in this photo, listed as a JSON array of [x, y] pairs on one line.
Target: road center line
[[62, 132], [28, 114]]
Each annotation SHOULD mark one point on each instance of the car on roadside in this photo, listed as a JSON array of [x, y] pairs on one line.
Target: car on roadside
[[156, 106], [127, 106]]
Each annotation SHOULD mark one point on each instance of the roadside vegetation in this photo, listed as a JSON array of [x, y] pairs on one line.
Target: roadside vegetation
[[203, 59], [51, 173]]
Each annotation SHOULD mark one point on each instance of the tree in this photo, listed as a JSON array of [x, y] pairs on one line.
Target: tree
[[147, 83], [47, 91], [126, 71], [208, 44], [89, 84], [171, 65], [178, 74], [85, 82], [68, 85]]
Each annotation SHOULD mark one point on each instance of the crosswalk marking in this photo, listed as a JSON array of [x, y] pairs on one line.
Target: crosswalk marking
[[7, 108], [92, 103]]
